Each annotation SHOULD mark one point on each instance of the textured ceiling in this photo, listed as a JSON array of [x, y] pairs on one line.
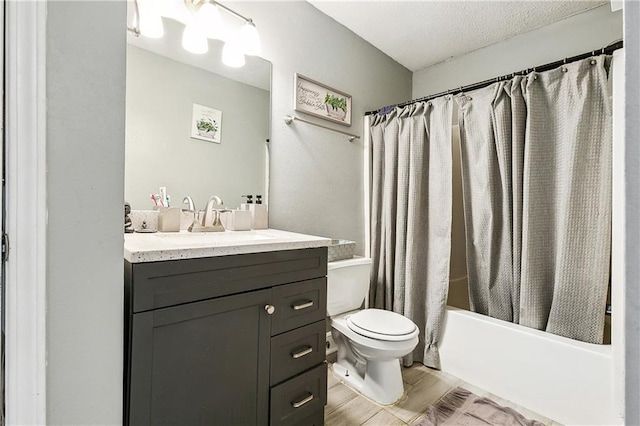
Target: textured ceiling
[[419, 34]]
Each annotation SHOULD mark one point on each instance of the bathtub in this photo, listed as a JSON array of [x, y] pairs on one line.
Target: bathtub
[[565, 380]]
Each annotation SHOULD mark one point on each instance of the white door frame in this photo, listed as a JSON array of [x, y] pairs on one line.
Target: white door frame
[[25, 132]]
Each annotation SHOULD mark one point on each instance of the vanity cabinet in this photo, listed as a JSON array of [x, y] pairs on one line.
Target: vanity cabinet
[[226, 340]]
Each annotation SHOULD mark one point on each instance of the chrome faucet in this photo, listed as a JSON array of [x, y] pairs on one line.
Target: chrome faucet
[[189, 202], [201, 226], [209, 208]]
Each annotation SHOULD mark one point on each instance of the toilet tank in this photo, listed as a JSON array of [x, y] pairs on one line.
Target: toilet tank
[[347, 284]]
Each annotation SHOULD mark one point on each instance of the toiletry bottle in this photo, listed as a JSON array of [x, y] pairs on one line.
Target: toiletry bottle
[[245, 206], [260, 214]]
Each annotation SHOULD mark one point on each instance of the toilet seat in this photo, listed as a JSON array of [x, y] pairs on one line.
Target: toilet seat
[[382, 325]]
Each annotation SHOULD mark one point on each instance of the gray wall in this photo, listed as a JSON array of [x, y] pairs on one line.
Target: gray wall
[[632, 211], [575, 35], [159, 147], [85, 66], [316, 175]]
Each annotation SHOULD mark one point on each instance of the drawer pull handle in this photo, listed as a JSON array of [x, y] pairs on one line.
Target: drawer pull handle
[[302, 353], [300, 403], [270, 309], [302, 305]]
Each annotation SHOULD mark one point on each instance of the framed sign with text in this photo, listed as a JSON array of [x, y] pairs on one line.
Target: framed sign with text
[[319, 100]]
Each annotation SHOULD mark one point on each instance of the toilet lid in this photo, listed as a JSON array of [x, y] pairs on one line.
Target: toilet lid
[[380, 324]]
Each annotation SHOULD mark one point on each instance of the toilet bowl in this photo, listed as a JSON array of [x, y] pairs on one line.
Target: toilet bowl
[[370, 342]]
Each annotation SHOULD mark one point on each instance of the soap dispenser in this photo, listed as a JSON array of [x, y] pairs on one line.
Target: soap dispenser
[[245, 206], [260, 214]]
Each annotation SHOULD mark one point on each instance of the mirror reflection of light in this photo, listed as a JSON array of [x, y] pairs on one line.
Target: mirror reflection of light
[[176, 10], [232, 53], [193, 40]]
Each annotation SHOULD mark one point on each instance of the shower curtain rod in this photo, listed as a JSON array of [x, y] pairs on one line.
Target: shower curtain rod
[[605, 50]]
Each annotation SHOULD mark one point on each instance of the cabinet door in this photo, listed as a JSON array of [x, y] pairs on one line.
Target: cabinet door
[[202, 363]]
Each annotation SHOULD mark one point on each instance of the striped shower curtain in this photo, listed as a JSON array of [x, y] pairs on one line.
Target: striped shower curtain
[[411, 217], [536, 161]]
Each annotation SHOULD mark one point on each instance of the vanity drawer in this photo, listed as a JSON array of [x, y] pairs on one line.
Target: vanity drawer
[[299, 304], [299, 399], [298, 350], [174, 282]]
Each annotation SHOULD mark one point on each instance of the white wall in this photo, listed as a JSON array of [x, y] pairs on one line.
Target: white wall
[[85, 67], [316, 181], [575, 35], [159, 147]]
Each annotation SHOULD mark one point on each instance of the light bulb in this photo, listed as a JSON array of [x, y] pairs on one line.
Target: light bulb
[[250, 39], [175, 9], [209, 21], [232, 55], [150, 20], [193, 40]]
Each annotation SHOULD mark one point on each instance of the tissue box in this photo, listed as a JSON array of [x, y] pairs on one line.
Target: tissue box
[[259, 216], [340, 250], [148, 217], [236, 220]]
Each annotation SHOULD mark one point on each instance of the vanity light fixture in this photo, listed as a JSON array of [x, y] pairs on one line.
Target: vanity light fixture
[[209, 21], [149, 20], [250, 39], [202, 21]]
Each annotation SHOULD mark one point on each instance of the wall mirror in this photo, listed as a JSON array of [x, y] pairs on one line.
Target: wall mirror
[[193, 124]]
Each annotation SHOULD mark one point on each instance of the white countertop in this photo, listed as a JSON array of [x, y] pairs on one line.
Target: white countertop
[[159, 246]]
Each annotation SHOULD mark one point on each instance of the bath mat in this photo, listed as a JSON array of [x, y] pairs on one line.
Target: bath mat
[[463, 408]]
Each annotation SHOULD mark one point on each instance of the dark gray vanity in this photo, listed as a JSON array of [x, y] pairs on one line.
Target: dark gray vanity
[[226, 340]]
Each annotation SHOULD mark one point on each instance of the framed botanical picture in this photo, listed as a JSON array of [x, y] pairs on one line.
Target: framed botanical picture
[[206, 123], [319, 100]]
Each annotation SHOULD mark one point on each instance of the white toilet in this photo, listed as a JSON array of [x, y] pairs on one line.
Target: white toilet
[[370, 341]]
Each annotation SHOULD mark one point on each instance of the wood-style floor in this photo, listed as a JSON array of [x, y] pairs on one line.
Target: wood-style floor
[[423, 387]]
